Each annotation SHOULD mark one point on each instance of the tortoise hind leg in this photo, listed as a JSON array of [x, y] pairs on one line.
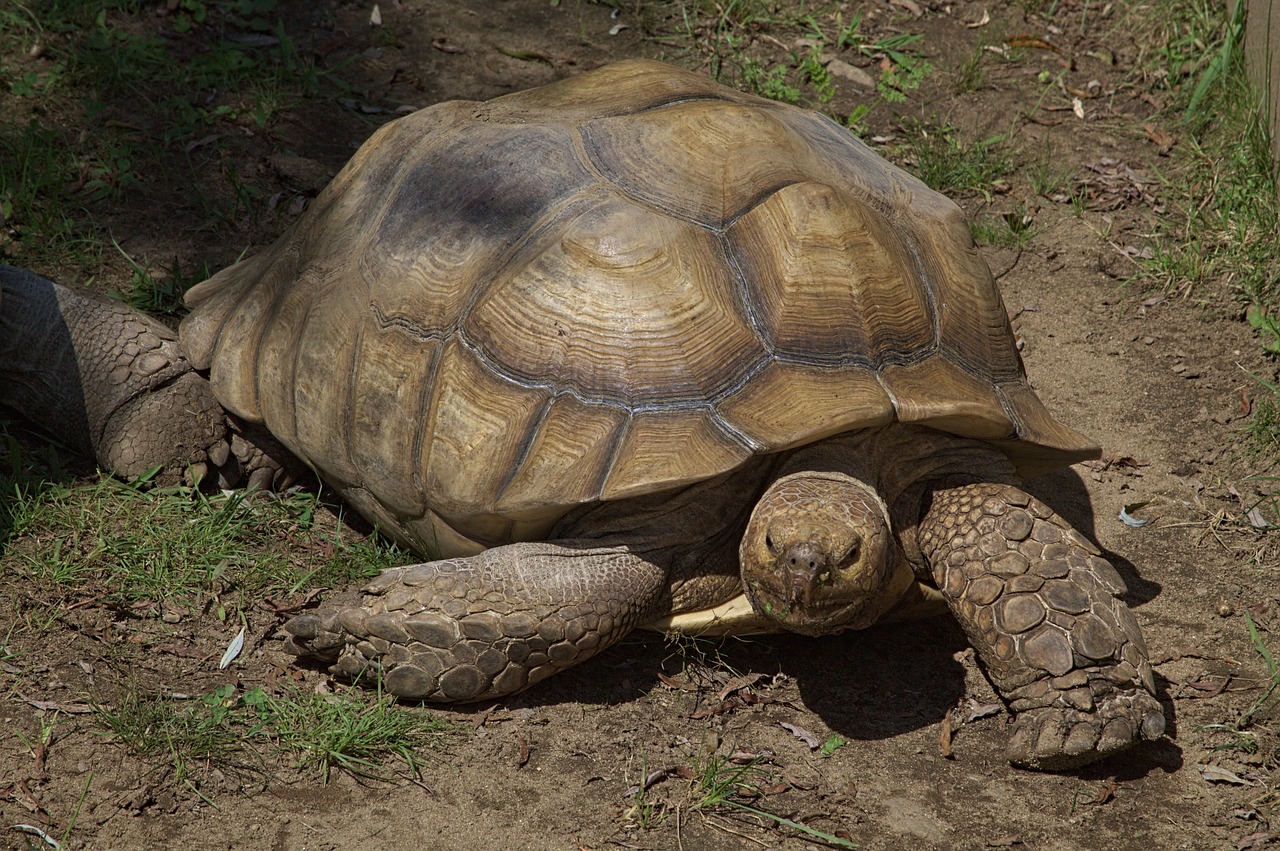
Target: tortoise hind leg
[[467, 629], [1039, 605]]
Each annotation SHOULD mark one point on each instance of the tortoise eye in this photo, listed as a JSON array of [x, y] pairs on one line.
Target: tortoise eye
[[768, 542]]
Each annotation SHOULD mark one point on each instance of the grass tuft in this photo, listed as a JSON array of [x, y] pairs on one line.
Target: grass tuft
[[177, 546], [227, 731], [945, 163]]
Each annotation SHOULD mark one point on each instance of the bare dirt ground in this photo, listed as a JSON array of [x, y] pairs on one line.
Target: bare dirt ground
[[1158, 380]]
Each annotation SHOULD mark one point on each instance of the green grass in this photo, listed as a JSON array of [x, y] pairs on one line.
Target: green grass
[[1011, 230], [941, 159], [232, 732], [721, 783], [716, 783], [98, 108], [132, 545], [724, 34], [1220, 233], [159, 296]]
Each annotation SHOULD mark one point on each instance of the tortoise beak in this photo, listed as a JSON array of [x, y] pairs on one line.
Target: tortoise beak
[[803, 568], [807, 564]]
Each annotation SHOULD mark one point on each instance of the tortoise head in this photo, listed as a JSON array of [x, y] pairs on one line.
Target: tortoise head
[[818, 555]]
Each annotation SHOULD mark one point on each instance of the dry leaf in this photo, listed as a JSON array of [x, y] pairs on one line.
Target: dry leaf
[[1218, 774], [1033, 41], [802, 734], [986, 19], [1164, 141]]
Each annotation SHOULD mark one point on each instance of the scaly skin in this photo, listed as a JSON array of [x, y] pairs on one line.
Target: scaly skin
[[113, 384], [467, 629], [1040, 606]]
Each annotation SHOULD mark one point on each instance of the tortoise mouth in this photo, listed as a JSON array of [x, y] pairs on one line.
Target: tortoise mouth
[[824, 612]]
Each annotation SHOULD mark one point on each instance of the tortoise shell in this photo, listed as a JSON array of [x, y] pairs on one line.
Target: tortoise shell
[[613, 285]]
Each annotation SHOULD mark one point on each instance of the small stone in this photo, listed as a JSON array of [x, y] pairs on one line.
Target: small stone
[[855, 76], [1226, 610]]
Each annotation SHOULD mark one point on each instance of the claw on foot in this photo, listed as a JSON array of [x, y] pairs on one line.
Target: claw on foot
[[1059, 738]]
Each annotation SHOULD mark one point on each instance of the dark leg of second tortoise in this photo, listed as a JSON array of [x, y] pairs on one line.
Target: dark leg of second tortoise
[[828, 537]]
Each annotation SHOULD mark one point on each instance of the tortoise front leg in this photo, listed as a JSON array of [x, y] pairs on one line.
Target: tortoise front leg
[[466, 629], [1040, 606]]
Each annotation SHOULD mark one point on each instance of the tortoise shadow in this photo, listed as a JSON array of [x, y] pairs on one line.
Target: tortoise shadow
[[30, 465], [869, 684], [879, 682]]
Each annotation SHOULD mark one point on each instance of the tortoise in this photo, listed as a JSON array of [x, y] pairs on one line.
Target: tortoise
[[628, 349]]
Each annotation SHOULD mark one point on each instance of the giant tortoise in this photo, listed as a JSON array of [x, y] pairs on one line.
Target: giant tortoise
[[629, 349]]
